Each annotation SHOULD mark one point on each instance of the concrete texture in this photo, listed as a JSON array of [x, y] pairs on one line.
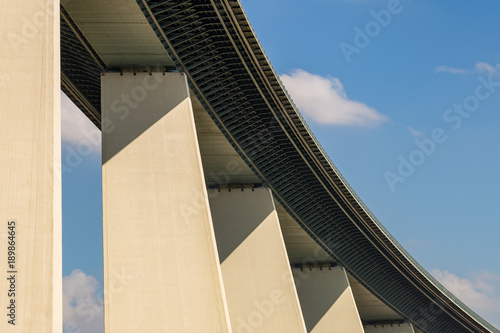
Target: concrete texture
[[157, 224], [259, 285], [30, 171], [327, 300]]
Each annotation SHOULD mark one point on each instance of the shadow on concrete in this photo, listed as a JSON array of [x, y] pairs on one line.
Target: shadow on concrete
[[131, 104], [316, 302], [236, 215]]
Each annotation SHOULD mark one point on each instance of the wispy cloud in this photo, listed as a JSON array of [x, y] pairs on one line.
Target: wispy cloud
[[451, 70], [485, 67], [76, 128], [480, 67], [82, 308], [324, 101], [478, 292], [415, 133]]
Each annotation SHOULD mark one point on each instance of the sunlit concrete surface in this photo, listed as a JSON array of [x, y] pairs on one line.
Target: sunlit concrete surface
[[159, 238], [327, 300], [259, 286], [30, 182], [157, 223]]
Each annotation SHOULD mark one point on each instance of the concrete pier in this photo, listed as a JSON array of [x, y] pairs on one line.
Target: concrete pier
[[258, 280], [157, 223], [327, 300], [30, 171]]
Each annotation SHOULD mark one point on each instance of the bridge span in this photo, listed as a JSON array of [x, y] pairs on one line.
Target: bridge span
[[217, 197]]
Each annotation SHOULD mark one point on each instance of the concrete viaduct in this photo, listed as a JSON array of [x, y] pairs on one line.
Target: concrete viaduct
[[217, 198]]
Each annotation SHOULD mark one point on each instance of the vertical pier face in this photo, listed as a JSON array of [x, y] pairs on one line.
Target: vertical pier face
[[259, 285], [30, 171], [327, 300], [158, 229]]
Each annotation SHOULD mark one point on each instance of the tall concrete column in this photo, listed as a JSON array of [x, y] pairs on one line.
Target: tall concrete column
[[158, 233], [30, 171], [259, 285], [327, 300]]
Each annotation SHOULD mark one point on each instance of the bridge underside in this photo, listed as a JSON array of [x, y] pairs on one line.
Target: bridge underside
[[244, 116], [247, 137], [217, 153]]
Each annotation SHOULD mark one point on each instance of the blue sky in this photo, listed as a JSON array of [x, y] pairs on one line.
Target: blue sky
[[406, 103]]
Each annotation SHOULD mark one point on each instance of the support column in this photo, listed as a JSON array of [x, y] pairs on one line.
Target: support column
[[259, 285], [30, 171], [158, 230], [327, 300]]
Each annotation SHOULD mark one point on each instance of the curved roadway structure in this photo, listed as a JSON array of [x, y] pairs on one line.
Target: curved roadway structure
[[228, 72]]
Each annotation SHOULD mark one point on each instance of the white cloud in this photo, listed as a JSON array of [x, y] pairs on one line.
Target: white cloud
[[480, 67], [451, 70], [76, 128], [82, 305], [485, 67], [477, 292], [415, 133], [324, 101]]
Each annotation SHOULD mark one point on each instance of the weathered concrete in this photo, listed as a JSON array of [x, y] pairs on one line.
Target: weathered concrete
[[327, 301], [157, 224], [30, 174], [259, 285]]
